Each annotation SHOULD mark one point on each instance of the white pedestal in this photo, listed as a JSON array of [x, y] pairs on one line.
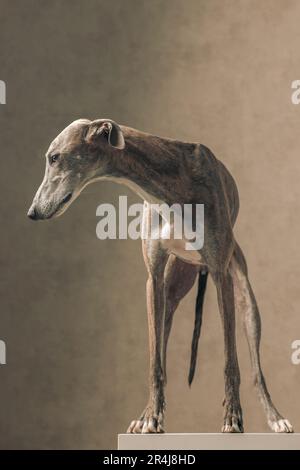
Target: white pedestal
[[213, 441]]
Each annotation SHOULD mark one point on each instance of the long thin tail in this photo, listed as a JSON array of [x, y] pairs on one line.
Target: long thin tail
[[202, 281]]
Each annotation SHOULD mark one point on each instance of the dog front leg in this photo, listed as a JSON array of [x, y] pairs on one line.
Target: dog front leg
[[233, 421], [151, 420]]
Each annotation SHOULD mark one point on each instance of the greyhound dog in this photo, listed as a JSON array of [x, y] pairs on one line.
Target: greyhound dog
[[168, 171]]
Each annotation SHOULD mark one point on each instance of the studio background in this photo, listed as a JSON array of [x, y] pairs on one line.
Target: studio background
[[73, 312]]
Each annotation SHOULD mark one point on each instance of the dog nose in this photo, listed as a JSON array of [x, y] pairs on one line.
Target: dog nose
[[32, 214]]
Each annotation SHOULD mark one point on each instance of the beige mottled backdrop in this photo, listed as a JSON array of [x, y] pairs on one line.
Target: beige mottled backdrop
[[72, 307]]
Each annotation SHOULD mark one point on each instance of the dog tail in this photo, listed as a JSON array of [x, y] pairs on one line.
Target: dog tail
[[202, 281]]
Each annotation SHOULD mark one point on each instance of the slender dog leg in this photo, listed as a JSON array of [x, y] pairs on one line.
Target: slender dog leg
[[151, 420], [246, 304], [233, 421], [169, 281], [179, 278]]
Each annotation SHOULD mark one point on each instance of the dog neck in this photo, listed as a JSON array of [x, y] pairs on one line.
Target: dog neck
[[153, 167]]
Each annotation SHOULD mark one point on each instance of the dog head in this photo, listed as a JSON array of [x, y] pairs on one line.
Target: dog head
[[78, 156]]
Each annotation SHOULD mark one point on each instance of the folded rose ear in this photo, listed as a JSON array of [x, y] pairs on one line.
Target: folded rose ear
[[106, 128]]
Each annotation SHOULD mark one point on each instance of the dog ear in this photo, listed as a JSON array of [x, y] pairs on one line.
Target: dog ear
[[108, 128]]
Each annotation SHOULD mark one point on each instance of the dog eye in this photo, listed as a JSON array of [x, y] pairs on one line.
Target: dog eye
[[54, 158]]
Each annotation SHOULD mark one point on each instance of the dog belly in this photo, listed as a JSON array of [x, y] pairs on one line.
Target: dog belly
[[179, 250], [178, 247]]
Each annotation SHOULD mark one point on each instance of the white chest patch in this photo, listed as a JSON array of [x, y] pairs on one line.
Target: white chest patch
[[178, 246]]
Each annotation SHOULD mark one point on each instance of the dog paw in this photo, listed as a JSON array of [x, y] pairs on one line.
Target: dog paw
[[234, 425], [145, 426], [281, 425], [149, 422], [233, 420]]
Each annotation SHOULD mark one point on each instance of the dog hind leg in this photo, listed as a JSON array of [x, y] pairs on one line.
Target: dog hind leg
[[179, 278], [247, 306]]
